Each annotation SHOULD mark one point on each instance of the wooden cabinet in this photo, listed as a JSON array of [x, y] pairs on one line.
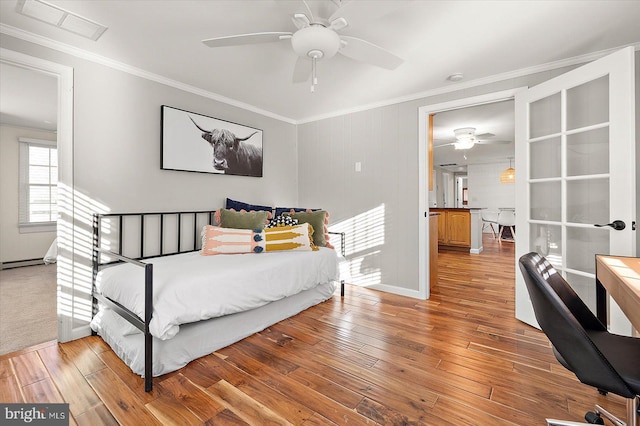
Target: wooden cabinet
[[459, 228], [442, 226], [454, 227]]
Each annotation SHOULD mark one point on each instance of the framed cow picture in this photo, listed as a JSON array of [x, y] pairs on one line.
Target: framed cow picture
[[194, 142]]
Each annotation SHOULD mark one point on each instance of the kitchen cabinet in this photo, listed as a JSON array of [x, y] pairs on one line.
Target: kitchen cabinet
[[454, 227]]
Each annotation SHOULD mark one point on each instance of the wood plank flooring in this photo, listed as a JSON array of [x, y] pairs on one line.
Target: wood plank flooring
[[370, 358]]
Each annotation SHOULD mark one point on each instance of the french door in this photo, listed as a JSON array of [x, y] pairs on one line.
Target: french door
[[575, 165]]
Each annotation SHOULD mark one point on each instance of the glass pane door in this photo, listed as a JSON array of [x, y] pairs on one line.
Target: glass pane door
[[575, 159], [568, 181]]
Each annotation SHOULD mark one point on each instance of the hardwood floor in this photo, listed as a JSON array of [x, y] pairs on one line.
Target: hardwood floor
[[458, 358]]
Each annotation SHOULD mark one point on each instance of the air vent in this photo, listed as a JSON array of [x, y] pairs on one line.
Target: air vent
[[58, 17]]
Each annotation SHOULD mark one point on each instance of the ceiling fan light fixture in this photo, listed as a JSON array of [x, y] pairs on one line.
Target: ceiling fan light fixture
[[315, 38], [315, 42], [464, 143], [465, 137]]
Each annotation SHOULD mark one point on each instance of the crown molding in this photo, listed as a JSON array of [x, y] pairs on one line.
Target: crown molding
[[121, 66], [84, 54], [473, 83]]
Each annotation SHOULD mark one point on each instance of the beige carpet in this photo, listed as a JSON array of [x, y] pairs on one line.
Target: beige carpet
[[27, 307]]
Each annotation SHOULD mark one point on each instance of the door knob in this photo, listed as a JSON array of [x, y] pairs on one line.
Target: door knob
[[618, 225]]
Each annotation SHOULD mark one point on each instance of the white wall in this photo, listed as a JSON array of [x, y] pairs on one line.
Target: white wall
[[116, 159], [485, 189], [15, 246], [385, 140]]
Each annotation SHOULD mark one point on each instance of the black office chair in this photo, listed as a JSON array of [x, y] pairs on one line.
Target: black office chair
[[581, 343]]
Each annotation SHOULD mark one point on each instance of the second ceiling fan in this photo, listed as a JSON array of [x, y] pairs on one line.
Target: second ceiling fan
[[466, 138], [317, 38]]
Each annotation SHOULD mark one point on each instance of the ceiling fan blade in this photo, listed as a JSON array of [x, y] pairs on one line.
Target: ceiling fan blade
[[301, 70], [446, 144], [364, 51], [338, 24], [492, 142], [240, 39], [365, 12], [309, 10], [485, 135], [300, 20]]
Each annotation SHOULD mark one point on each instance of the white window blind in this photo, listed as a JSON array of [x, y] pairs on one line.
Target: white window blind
[[38, 185]]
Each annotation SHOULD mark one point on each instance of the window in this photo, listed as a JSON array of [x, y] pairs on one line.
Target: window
[[38, 185]]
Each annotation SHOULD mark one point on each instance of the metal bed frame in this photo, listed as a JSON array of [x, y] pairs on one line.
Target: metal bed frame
[[131, 317]]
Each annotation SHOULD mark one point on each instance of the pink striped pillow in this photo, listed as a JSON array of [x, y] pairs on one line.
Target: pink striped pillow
[[217, 240]]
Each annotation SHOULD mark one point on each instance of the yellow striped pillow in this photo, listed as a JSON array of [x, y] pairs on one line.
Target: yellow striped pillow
[[296, 237]]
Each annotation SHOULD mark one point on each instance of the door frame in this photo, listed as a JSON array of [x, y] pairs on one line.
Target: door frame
[[424, 166], [64, 279]]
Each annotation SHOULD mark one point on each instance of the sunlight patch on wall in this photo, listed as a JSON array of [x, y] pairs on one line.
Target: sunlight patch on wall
[[364, 234], [362, 270], [74, 255]]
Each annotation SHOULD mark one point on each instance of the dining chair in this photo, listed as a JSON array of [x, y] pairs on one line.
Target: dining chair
[[506, 219], [489, 218]]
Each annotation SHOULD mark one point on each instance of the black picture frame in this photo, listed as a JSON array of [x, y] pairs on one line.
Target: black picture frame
[[194, 142]]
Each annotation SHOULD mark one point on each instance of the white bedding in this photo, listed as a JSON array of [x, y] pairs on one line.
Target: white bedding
[[190, 287], [201, 338], [52, 254]]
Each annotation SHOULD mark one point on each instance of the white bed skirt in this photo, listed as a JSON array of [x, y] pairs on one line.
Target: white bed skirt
[[201, 338]]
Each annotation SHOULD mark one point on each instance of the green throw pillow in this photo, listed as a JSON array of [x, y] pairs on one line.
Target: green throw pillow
[[243, 220], [315, 219]]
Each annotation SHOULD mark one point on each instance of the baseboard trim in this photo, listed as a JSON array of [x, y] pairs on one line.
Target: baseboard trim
[[414, 294], [80, 332]]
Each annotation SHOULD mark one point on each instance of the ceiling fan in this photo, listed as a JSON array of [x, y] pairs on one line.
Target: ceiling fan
[[317, 38], [466, 138]]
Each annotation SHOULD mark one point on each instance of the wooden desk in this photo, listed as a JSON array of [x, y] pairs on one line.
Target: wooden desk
[[620, 276]]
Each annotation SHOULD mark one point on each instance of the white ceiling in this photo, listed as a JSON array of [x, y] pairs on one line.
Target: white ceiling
[[496, 118], [435, 38], [28, 98]]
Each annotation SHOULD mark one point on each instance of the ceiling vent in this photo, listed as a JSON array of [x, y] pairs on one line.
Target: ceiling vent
[[58, 17]]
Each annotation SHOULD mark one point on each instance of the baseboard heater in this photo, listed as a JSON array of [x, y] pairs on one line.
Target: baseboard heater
[[21, 263]]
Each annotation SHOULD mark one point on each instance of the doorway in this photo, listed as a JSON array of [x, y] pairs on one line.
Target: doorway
[[425, 168], [462, 191], [64, 142], [28, 169]]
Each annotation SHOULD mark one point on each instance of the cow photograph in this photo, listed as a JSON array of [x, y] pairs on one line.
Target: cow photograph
[[197, 143]]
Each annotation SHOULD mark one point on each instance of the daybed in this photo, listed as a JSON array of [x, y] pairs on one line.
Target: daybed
[[159, 303]]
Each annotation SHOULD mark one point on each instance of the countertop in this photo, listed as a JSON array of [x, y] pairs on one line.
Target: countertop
[[457, 208]]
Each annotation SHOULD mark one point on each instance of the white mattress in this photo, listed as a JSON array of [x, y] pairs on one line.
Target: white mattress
[[190, 287], [202, 338]]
